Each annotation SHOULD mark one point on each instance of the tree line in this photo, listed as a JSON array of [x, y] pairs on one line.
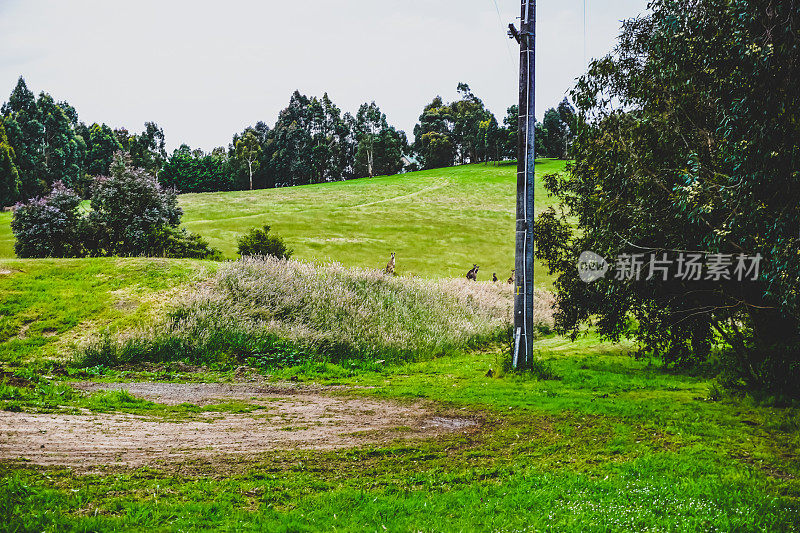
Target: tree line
[[43, 142]]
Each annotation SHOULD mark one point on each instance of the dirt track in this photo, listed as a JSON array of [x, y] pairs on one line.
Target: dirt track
[[290, 418]]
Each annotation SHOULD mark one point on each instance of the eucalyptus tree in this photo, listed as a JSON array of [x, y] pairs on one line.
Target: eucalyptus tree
[[370, 121], [42, 133], [433, 135], [689, 142], [147, 150], [248, 150], [101, 145], [453, 129], [9, 175]]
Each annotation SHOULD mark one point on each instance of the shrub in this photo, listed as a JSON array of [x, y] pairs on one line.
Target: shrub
[[50, 226], [770, 372], [129, 208], [168, 241], [258, 241]]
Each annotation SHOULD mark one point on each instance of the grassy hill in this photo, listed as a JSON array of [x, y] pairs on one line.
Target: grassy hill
[[439, 222]]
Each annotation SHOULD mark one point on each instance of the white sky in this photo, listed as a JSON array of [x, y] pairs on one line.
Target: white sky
[[204, 69]]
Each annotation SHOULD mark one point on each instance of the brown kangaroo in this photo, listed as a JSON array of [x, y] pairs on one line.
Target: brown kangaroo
[[494, 277], [473, 273], [390, 265], [511, 279]]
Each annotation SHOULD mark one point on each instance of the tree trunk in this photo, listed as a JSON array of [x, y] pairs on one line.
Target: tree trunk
[[250, 169]]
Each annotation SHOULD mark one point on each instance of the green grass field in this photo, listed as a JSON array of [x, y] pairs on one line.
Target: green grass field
[[439, 222], [616, 443]]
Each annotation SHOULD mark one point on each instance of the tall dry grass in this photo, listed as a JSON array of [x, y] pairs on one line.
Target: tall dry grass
[[279, 312]]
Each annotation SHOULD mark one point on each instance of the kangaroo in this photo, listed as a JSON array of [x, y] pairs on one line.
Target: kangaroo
[[473, 273], [511, 279], [494, 277], [390, 265]]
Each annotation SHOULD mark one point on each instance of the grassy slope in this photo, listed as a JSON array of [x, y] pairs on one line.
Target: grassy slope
[[46, 305], [439, 222], [616, 444], [6, 237]]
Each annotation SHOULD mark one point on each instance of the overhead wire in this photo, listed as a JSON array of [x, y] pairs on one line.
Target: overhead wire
[[585, 25], [502, 27]]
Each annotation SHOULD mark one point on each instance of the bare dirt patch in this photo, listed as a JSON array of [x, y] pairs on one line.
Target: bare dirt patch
[[290, 418]]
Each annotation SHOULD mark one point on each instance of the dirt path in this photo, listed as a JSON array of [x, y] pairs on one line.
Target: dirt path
[[290, 418]]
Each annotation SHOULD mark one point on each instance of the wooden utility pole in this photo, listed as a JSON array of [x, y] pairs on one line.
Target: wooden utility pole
[[523, 299]]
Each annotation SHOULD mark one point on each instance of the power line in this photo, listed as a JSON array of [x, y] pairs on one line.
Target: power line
[[584, 33], [500, 21]]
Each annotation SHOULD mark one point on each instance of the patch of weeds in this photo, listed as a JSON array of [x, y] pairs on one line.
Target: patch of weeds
[[116, 400], [273, 352], [540, 369], [15, 379], [39, 395]]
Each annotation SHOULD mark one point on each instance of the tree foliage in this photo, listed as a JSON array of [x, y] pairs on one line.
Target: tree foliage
[[128, 206], [433, 135], [688, 140], [465, 131], [9, 175], [46, 146], [101, 145], [197, 172], [247, 151], [258, 241], [379, 148], [460, 123], [146, 150]]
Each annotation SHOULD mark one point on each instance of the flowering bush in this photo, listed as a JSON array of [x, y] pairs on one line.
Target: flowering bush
[[49, 226], [128, 209], [131, 214]]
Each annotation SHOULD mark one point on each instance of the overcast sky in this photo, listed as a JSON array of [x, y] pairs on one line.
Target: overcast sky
[[204, 69]]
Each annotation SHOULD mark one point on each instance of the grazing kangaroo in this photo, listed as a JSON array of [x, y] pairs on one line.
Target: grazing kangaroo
[[511, 279], [473, 273], [494, 277], [390, 265]]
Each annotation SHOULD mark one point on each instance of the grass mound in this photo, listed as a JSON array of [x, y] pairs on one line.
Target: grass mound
[[277, 313]]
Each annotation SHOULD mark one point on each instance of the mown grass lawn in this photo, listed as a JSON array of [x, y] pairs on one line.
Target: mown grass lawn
[[439, 222]]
